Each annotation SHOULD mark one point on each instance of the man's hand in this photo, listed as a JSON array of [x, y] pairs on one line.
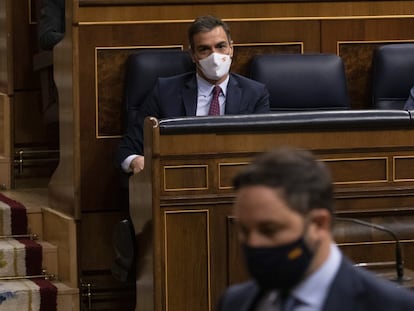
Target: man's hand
[[137, 164]]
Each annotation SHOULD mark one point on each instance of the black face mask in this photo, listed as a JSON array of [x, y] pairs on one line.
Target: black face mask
[[280, 267]]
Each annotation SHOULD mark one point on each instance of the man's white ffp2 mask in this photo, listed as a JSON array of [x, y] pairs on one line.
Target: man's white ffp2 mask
[[216, 65]]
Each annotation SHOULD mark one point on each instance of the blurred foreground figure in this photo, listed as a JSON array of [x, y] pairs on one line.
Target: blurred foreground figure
[[284, 208]]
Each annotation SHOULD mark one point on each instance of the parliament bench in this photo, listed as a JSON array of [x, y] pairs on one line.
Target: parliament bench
[[181, 204]]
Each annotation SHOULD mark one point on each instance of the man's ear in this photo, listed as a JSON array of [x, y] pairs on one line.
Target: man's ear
[[322, 218], [231, 48], [192, 56]]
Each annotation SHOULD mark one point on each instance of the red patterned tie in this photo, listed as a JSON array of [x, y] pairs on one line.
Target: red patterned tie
[[215, 105]]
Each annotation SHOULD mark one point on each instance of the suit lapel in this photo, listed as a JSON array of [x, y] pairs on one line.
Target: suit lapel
[[251, 300], [233, 97], [190, 97], [247, 298]]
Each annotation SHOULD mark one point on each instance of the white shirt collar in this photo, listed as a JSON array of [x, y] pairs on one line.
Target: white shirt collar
[[314, 289], [205, 88]]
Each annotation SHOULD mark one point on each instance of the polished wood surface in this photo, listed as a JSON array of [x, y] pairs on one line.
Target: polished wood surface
[[89, 67], [28, 119], [355, 41], [56, 227], [24, 39], [5, 142], [64, 184], [184, 2], [135, 13], [190, 225], [6, 55], [6, 85]]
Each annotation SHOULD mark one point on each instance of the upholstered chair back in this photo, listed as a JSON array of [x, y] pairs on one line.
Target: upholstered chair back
[[302, 81], [392, 75]]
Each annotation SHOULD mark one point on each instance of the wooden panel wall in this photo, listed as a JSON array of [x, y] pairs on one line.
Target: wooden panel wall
[[355, 40], [194, 240], [5, 47], [18, 80], [89, 70], [27, 110], [6, 85], [5, 142]]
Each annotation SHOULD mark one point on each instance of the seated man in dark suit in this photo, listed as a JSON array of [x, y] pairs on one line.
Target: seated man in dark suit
[[284, 210], [409, 104], [191, 94]]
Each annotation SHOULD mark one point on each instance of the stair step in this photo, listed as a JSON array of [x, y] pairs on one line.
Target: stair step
[[16, 294], [67, 298], [34, 200], [50, 259], [35, 221]]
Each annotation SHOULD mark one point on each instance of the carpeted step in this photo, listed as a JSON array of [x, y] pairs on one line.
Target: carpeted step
[[22, 258], [67, 298], [24, 294], [13, 255], [34, 202], [13, 217]]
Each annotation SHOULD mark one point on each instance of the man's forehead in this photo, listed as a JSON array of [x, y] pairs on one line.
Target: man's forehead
[[198, 44], [215, 32]]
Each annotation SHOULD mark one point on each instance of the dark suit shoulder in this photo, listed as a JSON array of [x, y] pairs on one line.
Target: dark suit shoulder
[[358, 289], [384, 292], [246, 81], [238, 297], [180, 79]]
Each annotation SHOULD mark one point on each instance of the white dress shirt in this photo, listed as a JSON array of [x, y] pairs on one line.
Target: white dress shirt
[[205, 95]]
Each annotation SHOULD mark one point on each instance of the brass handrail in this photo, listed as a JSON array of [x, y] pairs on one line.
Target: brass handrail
[[31, 236], [44, 275]]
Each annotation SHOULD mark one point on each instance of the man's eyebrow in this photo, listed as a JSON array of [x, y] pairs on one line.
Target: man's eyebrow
[[202, 46], [267, 222], [221, 42]]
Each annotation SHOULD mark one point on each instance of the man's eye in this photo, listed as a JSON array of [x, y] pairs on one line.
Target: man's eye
[[268, 231]]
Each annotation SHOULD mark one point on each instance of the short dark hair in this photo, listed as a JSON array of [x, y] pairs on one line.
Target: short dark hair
[[305, 182], [206, 24]]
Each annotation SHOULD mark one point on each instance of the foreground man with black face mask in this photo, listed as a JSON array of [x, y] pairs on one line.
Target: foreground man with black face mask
[[284, 209]]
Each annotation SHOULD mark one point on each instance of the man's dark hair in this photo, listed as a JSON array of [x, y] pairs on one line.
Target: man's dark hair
[[304, 181], [206, 24]]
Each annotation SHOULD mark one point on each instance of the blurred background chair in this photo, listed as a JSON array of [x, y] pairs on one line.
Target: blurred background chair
[[302, 81], [392, 75]]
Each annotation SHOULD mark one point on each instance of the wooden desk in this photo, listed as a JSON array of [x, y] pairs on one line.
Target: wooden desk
[[181, 204]]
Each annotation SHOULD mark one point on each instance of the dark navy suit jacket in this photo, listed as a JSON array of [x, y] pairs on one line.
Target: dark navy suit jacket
[[177, 97], [409, 104], [353, 289]]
